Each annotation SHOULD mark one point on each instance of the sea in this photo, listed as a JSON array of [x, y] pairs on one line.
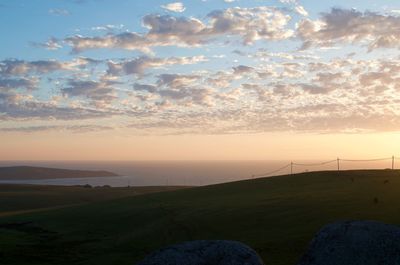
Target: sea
[[178, 173]]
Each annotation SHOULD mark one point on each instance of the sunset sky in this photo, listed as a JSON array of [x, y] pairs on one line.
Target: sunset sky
[[199, 79]]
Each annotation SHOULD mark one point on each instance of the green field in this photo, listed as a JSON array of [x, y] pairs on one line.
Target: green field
[[276, 216]]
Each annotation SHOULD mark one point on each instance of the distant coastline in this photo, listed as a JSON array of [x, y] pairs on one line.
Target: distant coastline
[[183, 173], [36, 173]]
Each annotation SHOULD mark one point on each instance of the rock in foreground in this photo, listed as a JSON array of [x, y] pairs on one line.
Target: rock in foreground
[[354, 243], [204, 252]]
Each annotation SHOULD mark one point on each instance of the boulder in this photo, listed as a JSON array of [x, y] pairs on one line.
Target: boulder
[[354, 243], [204, 252]]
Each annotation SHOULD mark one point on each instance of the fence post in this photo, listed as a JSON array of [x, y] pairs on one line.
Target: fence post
[[291, 168], [338, 165], [392, 162]]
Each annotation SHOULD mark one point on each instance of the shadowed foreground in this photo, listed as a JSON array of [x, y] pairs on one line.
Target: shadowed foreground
[[277, 217], [204, 252]]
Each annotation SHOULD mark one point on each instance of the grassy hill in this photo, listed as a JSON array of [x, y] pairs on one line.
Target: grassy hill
[[276, 216], [27, 172], [17, 199]]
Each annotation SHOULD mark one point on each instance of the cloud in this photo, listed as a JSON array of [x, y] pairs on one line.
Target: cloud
[[178, 87], [102, 92], [145, 87], [176, 80], [200, 96], [14, 67], [263, 91], [163, 30], [301, 10], [125, 40], [242, 69], [174, 7], [238, 52], [327, 78], [351, 26], [59, 12], [314, 89], [371, 78], [330, 99], [108, 27], [8, 84], [42, 128], [249, 24], [167, 30], [51, 44], [20, 67], [220, 79], [138, 65], [17, 106]]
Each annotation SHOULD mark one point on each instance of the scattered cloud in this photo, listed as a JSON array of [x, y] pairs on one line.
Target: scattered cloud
[[108, 27], [296, 7], [138, 65], [220, 82], [351, 26], [174, 7], [94, 90], [301, 10], [20, 67], [249, 24], [68, 128], [241, 69], [176, 80], [51, 44], [59, 12], [125, 40], [9, 84], [19, 107], [15, 67]]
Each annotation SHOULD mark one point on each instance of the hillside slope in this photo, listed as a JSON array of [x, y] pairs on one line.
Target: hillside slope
[[276, 216], [27, 172], [16, 198]]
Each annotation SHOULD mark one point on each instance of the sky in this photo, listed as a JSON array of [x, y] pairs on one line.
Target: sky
[[199, 79]]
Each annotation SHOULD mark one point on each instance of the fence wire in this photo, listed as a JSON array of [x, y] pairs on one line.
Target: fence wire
[[314, 164], [272, 172], [366, 160], [338, 160]]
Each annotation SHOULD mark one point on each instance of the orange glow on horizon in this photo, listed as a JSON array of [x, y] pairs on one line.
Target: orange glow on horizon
[[268, 146]]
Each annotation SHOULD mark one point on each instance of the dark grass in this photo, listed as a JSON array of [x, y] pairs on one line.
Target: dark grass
[[276, 216], [19, 198]]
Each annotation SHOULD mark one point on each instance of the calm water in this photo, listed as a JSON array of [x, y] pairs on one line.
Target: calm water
[[136, 173]]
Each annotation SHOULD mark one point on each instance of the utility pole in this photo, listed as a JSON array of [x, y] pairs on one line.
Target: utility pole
[[338, 165]]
